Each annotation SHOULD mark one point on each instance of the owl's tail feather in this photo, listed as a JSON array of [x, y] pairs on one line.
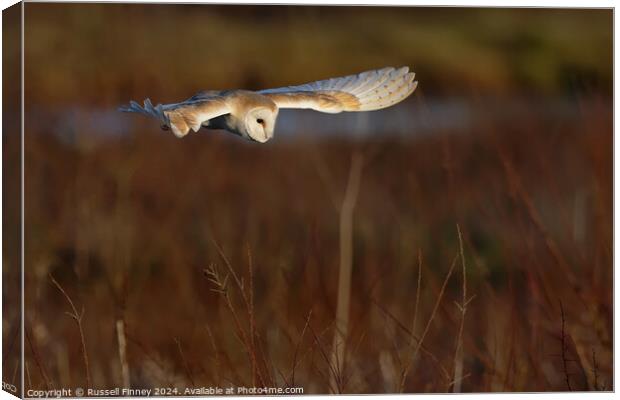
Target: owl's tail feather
[[148, 109]]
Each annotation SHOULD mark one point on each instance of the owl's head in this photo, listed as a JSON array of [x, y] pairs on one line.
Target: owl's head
[[259, 123]]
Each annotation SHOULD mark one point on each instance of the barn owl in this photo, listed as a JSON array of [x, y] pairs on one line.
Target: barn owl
[[252, 115]]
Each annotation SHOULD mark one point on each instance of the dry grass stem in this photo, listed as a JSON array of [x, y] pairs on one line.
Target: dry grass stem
[[515, 182], [38, 361], [27, 373], [334, 379], [77, 317], [253, 347], [346, 263], [444, 372], [222, 288], [405, 372], [564, 343], [122, 353], [188, 371], [251, 315], [409, 358], [595, 370], [218, 364], [458, 353], [301, 338]]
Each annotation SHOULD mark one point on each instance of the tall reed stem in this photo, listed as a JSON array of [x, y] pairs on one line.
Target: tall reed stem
[[122, 352], [346, 266]]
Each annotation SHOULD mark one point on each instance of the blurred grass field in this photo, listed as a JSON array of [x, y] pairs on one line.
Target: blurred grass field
[[134, 227]]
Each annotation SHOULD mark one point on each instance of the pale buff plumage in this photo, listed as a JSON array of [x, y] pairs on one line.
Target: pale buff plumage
[[253, 114]]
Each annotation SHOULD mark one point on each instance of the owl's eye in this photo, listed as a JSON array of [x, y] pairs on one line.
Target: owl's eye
[[165, 127], [260, 121]]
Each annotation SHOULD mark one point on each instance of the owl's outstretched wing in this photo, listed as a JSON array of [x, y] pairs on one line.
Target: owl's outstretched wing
[[181, 117], [366, 91]]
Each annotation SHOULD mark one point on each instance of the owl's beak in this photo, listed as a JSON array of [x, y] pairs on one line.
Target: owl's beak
[[262, 139]]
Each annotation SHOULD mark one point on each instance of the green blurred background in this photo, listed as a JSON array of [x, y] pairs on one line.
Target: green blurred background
[[92, 53]]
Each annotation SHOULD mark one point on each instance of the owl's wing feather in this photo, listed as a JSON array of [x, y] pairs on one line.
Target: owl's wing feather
[[366, 91], [181, 117]]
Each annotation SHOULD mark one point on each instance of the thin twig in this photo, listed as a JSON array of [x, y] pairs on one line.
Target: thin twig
[[564, 348], [27, 371], [9, 349], [409, 358], [15, 370], [301, 338], [405, 372], [188, 371], [250, 311], [312, 347], [458, 352], [217, 354], [423, 348], [77, 317], [222, 288], [37, 360], [334, 376], [251, 316], [595, 370], [518, 190]]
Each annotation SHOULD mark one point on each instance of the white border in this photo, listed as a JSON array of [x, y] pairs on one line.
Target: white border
[[458, 3]]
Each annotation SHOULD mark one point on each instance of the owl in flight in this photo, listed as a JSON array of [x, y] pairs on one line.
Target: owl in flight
[[252, 115]]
